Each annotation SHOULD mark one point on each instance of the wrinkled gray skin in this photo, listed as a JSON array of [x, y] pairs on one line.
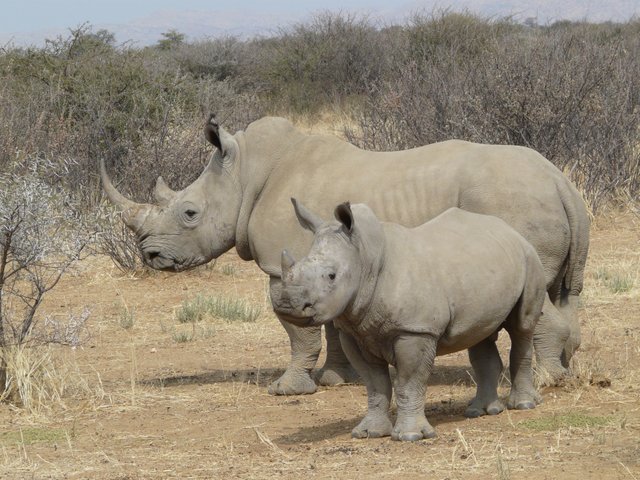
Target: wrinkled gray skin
[[402, 296], [242, 200]]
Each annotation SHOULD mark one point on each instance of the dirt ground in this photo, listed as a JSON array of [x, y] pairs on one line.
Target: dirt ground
[[148, 397]]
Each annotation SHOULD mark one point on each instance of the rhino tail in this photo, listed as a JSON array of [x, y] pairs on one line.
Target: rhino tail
[[578, 218]]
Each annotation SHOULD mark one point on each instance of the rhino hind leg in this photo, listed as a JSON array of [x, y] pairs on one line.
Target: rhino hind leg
[[376, 422], [549, 340], [336, 370], [305, 349], [487, 367], [523, 395]]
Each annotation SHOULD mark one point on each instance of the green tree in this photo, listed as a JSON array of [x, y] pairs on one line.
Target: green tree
[[171, 40]]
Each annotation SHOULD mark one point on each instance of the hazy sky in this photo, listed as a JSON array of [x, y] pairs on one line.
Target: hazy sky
[[26, 22], [29, 15]]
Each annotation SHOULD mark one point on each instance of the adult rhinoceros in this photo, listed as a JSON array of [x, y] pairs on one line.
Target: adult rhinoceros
[[242, 199]]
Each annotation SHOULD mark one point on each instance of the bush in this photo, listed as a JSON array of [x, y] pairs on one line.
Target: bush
[[328, 59], [41, 235], [82, 97], [569, 93]]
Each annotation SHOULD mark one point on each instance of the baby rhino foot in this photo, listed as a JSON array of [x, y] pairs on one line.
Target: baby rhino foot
[[372, 426], [330, 375], [412, 429], [523, 400], [478, 408], [293, 382]]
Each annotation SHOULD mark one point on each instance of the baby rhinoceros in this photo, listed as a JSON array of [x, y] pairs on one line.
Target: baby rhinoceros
[[401, 296]]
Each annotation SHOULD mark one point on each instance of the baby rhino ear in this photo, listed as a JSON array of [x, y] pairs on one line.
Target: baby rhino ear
[[344, 215]]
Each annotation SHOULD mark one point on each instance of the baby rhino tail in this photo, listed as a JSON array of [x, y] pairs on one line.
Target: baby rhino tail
[[529, 308]]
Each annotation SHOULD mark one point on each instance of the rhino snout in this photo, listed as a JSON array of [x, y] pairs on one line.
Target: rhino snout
[[294, 300], [149, 256]]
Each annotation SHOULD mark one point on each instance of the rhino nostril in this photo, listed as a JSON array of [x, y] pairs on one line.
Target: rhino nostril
[[307, 305], [152, 255]]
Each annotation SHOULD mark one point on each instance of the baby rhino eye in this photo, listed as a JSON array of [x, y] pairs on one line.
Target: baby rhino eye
[[332, 276]]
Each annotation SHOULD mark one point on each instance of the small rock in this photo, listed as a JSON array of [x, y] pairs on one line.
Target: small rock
[[600, 380]]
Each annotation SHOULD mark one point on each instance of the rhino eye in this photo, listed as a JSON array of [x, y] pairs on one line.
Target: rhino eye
[[332, 276], [190, 214]]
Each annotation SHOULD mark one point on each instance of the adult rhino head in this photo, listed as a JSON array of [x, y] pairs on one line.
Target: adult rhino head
[[187, 228]]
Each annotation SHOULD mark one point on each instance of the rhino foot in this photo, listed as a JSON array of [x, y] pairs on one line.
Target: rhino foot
[[523, 400], [412, 429], [552, 375], [478, 409], [293, 382], [372, 426], [336, 375]]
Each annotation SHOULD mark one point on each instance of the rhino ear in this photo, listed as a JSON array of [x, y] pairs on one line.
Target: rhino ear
[[225, 143], [212, 131], [307, 219], [344, 215]]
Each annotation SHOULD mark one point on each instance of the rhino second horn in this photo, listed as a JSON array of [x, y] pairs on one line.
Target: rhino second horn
[[287, 262], [162, 193]]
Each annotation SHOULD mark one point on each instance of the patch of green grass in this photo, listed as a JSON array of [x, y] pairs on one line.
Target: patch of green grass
[[28, 436], [126, 318], [616, 282], [182, 336], [228, 269], [231, 309], [573, 419]]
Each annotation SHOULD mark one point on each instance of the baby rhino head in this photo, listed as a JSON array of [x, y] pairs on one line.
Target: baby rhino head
[[321, 286]]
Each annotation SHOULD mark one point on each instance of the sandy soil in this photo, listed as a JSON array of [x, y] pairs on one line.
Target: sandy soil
[[159, 399]]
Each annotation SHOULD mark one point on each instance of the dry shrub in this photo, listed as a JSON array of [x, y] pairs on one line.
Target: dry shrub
[[324, 60], [569, 92]]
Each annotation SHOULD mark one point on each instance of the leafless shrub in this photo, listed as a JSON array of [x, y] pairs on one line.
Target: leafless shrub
[[41, 236], [115, 240], [72, 331]]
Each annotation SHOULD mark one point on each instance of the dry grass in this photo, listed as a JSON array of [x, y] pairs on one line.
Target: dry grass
[[135, 403]]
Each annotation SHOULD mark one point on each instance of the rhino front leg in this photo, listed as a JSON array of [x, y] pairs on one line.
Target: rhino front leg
[[376, 377], [414, 355], [305, 349], [568, 307], [306, 344], [487, 367], [523, 394], [336, 369]]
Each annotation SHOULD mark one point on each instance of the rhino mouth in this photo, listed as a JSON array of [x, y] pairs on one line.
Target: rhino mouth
[[157, 261], [302, 318]]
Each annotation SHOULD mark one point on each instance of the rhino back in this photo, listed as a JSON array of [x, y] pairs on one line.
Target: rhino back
[[408, 187], [457, 277]]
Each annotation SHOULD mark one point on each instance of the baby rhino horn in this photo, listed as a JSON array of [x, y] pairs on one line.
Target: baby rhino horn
[[287, 262]]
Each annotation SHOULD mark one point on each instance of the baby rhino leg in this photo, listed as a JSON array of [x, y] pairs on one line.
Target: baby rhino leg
[[376, 378], [521, 325], [487, 367], [414, 361]]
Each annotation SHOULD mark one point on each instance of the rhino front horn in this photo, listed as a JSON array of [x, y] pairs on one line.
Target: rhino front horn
[[287, 262], [133, 214]]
